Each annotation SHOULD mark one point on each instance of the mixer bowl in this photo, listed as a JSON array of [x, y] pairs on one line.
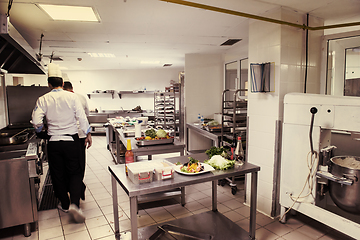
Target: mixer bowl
[[346, 197]]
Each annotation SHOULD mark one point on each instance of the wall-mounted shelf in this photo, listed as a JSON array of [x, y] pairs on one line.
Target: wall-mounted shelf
[[97, 92], [135, 92]]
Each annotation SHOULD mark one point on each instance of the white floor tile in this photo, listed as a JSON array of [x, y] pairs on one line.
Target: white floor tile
[[83, 235], [100, 232]]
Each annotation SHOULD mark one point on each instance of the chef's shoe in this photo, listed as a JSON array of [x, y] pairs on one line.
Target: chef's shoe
[[76, 213], [59, 206]]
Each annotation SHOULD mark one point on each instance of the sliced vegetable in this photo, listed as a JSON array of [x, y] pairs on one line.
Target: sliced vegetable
[[193, 166]]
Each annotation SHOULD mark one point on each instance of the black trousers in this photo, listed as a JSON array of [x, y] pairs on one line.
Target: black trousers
[[83, 161], [66, 170]]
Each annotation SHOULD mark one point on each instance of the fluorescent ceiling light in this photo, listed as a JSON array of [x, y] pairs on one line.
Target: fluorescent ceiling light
[[70, 13], [104, 55]]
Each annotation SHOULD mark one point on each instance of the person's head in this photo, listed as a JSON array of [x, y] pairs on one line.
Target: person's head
[[55, 82], [68, 86]]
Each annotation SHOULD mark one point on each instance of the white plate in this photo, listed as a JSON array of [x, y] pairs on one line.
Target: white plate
[[207, 168]]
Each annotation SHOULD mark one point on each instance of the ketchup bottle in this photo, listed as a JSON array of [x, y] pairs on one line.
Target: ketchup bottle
[[232, 148], [129, 155]]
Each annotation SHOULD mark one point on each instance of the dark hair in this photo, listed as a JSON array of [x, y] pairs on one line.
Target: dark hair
[[55, 81], [67, 86]]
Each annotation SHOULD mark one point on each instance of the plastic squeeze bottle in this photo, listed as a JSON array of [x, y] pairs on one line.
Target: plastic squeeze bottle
[[129, 156]]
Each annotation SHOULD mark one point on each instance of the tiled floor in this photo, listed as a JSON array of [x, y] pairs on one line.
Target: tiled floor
[[56, 225]]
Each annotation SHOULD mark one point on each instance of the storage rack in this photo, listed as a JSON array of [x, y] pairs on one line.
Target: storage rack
[[233, 123], [234, 115], [165, 111]]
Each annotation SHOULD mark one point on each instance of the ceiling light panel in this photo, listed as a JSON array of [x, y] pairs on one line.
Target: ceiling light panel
[[70, 13], [102, 55]]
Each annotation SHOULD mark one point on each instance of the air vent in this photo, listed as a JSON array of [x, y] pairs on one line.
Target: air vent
[[167, 65], [230, 42]]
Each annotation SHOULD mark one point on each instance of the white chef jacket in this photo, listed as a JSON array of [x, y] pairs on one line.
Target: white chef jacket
[[87, 112], [62, 109]]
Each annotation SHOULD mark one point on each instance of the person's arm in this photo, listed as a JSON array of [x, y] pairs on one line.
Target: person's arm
[[88, 140], [37, 117], [83, 121], [87, 111]]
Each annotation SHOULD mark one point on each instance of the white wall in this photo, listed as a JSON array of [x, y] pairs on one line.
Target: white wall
[[204, 79], [285, 47], [119, 80]]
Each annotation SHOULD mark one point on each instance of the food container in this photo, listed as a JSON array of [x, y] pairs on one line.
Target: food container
[[140, 172], [163, 170], [154, 142], [144, 120]]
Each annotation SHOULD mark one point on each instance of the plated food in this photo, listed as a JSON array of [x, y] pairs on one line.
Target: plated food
[[193, 167]]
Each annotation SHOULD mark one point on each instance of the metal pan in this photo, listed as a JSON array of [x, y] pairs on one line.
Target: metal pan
[[154, 142], [7, 138]]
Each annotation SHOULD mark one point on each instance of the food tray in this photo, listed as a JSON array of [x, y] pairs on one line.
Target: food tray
[[154, 142], [217, 128], [167, 231]]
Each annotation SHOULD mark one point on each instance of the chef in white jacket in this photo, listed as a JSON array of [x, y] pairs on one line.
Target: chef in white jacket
[[68, 87], [62, 110]]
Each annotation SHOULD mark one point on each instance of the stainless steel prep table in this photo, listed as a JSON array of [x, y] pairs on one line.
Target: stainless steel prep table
[[134, 191], [214, 136], [177, 146]]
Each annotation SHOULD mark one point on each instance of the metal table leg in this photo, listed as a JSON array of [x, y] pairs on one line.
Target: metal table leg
[[133, 218], [253, 196], [214, 195], [182, 196], [117, 142], [115, 206]]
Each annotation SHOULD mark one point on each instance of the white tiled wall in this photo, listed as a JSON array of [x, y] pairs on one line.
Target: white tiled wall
[[203, 91], [284, 47], [116, 79]]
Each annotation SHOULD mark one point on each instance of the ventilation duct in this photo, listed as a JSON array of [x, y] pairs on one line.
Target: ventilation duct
[[16, 55]]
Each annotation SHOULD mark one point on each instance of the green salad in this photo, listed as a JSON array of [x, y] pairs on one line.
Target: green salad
[[220, 163]]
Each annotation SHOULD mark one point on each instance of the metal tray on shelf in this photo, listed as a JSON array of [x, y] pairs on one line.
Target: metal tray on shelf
[[167, 231], [154, 142]]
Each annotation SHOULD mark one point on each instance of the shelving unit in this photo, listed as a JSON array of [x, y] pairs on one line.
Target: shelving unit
[[234, 123], [97, 92], [165, 110], [234, 115], [120, 93]]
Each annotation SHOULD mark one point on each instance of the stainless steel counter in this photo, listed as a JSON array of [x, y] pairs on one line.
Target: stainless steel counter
[[177, 146], [134, 191], [214, 136]]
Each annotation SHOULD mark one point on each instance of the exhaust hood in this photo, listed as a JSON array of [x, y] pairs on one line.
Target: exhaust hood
[[16, 55]]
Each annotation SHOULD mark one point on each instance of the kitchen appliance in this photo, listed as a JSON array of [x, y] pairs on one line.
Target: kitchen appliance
[[319, 132], [21, 160], [20, 184]]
